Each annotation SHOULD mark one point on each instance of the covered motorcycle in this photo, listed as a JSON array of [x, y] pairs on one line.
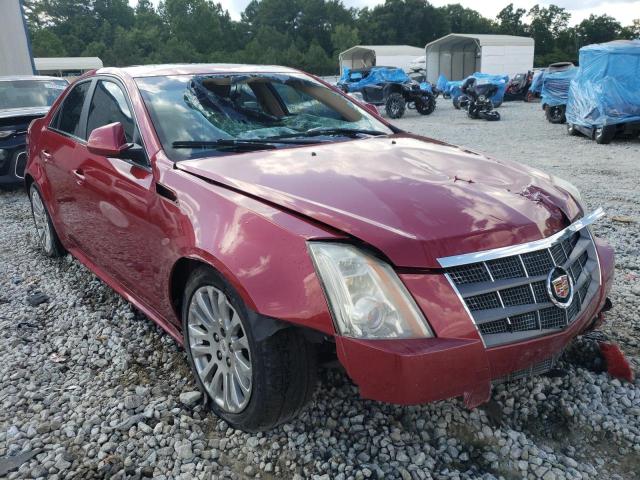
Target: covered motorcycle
[[476, 99], [555, 91], [604, 96], [499, 81]]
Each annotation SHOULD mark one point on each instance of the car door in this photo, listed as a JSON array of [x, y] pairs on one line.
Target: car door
[[122, 235], [60, 142]]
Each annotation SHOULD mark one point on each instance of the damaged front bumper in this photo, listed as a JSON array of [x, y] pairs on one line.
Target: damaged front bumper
[[458, 362]]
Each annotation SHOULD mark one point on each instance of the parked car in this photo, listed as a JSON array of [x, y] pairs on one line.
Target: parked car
[[22, 99], [265, 220], [604, 97], [391, 87]]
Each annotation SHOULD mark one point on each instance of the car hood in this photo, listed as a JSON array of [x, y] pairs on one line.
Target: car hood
[[23, 111], [413, 199]]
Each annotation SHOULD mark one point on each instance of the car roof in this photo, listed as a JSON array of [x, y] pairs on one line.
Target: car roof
[[17, 78], [193, 69]]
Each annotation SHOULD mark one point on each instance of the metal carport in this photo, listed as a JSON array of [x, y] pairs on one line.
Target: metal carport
[[458, 55], [362, 56]]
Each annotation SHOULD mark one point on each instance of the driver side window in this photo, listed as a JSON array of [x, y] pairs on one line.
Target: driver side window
[[109, 105]]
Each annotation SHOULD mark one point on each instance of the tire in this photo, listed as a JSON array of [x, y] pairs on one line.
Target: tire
[[604, 135], [45, 231], [395, 105], [555, 114], [572, 130], [456, 103], [427, 107], [282, 367], [472, 112], [491, 116]]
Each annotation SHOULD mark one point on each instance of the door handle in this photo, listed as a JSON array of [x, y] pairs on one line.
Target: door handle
[[46, 156], [79, 174]]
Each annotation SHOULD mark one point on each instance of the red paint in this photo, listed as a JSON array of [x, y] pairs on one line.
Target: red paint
[[617, 365], [250, 217]]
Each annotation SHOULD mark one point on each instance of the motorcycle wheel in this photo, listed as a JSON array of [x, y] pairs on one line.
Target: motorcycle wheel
[[472, 112], [395, 105], [555, 114], [426, 106], [572, 130], [491, 116], [456, 103]]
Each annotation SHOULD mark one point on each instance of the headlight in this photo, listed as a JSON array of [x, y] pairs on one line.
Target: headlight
[[367, 298], [569, 188], [6, 133], [482, 98]]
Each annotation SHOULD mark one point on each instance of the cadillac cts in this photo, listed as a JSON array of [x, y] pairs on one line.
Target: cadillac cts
[[263, 218]]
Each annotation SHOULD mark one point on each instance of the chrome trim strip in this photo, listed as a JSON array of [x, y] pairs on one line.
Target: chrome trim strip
[[466, 308], [467, 258], [15, 165]]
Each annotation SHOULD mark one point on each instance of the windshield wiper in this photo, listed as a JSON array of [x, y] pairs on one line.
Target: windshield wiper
[[348, 132], [235, 143]]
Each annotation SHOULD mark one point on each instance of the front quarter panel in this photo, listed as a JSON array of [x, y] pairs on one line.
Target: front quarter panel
[[261, 250]]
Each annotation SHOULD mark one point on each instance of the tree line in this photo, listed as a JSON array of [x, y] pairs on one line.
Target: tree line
[[306, 34]]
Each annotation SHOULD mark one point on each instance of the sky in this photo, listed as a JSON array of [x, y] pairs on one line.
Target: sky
[[623, 10]]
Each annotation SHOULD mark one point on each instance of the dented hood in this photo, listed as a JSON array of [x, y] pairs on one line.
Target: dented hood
[[413, 199]]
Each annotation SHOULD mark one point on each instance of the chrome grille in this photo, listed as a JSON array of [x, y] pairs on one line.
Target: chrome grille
[[507, 295]]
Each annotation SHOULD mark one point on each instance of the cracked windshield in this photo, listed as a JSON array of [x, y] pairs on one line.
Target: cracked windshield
[[206, 115]]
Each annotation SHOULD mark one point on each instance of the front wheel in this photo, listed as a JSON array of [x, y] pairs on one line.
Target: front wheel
[[253, 384], [572, 130], [46, 233], [395, 105], [555, 114]]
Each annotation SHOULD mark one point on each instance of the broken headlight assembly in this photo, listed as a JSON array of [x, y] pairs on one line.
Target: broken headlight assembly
[[366, 297]]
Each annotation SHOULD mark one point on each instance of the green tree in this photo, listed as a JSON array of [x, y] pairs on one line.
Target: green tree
[[344, 37], [510, 20], [598, 29], [467, 20]]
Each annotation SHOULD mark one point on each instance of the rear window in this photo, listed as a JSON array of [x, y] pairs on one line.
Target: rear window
[[30, 93]]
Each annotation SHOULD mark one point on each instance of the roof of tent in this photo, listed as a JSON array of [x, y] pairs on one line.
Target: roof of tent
[[67, 63], [385, 50], [482, 40]]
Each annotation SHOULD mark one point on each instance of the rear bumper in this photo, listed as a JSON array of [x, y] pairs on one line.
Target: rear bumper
[[456, 363]]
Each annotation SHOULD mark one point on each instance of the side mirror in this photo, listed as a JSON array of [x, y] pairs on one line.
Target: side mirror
[[108, 141], [371, 108]]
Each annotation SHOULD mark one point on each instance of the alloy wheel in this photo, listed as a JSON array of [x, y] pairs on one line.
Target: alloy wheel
[[40, 220], [220, 349]]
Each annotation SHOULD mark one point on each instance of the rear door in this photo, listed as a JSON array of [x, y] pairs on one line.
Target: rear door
[[60, 142]]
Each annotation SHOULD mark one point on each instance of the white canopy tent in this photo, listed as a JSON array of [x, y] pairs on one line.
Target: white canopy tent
[[363, 56], [458, 55], [66, 66]]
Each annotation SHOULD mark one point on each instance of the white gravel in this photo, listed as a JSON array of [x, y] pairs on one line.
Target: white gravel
[[89, 388]]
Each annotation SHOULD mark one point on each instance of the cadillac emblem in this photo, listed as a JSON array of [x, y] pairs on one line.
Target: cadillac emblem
[[560, 287]]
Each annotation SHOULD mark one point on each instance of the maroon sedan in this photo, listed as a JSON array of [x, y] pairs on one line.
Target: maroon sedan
[[262, 217]]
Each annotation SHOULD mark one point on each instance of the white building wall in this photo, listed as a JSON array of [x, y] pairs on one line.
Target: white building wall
[[399, 61], [508, 60]]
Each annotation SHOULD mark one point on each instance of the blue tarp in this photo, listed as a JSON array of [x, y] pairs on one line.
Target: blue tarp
[[442, 83], [454, 88], [606, 89], [426, 87], [555, 87], [536, 83], [376, 76]]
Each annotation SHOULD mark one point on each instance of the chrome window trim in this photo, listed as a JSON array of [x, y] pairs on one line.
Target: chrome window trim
[[545, 243], [15, 164]]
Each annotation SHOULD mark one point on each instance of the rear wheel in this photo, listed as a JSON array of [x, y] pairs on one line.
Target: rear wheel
[[426, 105], [395, 105], [46, 233], [456, 103], [604, 135], [572, 130], [555, 114], [253, 384]]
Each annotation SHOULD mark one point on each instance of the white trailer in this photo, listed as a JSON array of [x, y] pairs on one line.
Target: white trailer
[[458, 55], [364, 56]]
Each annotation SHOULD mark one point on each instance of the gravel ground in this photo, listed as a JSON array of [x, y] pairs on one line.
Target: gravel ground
[[92, 389]]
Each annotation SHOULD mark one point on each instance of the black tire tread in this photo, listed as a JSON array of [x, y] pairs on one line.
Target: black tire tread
[[284, 363], [57, 249]]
